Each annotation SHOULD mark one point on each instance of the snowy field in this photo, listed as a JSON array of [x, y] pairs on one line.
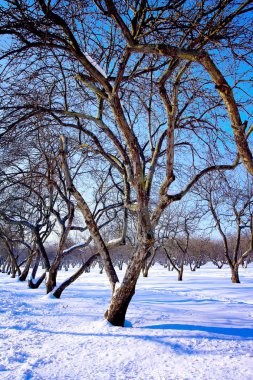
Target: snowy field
[[201, 328]]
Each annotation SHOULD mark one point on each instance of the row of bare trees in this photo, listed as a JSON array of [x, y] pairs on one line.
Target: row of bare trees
[[177, 246], [41, 204], [150, 98]]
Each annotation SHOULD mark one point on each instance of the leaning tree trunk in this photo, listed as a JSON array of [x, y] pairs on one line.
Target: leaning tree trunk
[[85, 267], [26, 269], [121, 298]]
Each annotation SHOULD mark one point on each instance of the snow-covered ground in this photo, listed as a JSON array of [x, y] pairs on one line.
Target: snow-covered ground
[[201, 328]]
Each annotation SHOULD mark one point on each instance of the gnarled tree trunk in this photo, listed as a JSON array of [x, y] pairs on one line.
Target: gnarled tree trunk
[[121, 298]]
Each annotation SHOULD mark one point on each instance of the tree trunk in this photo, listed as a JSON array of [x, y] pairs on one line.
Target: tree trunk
[[57, 293], [145, 268], [35, 284], [180, 273], [235, 275], [193, 266], [5, 266], [101, 267], [25, 271], [14, 267], [116, 313], [46, 262], [32, 283], [122, 296], [148, 262], [51, 279]]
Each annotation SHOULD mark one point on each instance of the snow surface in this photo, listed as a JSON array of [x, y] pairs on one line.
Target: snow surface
[[201, 328]]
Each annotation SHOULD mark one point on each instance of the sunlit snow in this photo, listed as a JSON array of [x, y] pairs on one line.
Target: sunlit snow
[[201, 328]]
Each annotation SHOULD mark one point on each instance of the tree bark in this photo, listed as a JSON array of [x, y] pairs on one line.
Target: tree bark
[[25, 271], [51, 277], [121, 298], [235, 275]]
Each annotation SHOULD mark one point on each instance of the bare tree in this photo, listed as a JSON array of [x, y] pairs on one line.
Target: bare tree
[[230, 203], [146, 107], [176, 231]]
